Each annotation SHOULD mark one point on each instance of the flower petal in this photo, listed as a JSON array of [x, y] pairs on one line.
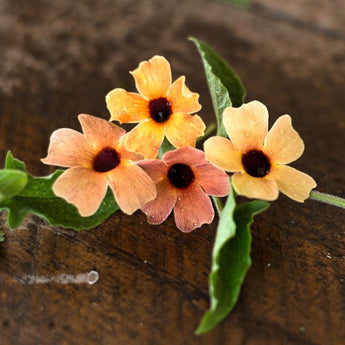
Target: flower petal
[[193, 208], [83, 188], [186, 155], [212, 180], [254, 187], [182, 99], [221, 153], [126, 107], [153, 77], [68, 148], [292, 182], [145, 139], [283, 144], [158, 210], [183, 129], [155, 168], [247, 125], [132, 187], [99, 132]]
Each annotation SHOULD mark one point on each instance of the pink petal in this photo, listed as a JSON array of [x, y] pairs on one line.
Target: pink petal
[[155, 168], [132, 187], [247, 125], [99, 132], [294, 183], [221, 153], [158, 210], [254, 187], [283, 144], [68, 148], [193, 208], [153, 77], [83, 188], [213, 180], [186, 155], [127, 107]]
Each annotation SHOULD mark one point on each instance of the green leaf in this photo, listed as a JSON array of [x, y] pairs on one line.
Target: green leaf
[[245, 4], [12, 183], [225, 87], [2, 236], [164, 148], [230, 259], [13, 163], [38, 198]]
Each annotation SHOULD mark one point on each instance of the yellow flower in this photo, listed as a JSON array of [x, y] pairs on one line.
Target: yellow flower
[[257, 157], [162, 109]]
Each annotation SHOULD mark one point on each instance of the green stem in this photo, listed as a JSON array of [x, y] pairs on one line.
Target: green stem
[[327, 198], [219, 205]]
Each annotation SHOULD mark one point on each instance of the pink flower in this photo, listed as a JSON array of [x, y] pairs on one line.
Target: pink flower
[[184, 179], [97, 160]]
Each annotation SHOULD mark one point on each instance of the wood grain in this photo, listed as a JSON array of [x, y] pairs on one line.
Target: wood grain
[[59, 59]]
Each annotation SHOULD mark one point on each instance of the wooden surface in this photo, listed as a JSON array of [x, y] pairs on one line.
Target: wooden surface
[[59, 59]]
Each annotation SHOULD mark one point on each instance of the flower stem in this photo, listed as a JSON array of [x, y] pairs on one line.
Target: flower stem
[[327, 198], [219, 205]]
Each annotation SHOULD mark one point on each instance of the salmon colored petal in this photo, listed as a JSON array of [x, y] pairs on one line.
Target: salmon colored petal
[[186, 155], [183, 129], [100, 133], [145, 139], [127, 107], [247, 125], [83, 188], [193, 208], [68, 148], [155, 168], [153, 77], [221, 153], [132, 187], [294, 183], [158, 210], [253, 187], [125, 154], [182, 99], [283, 144], [212, 180]]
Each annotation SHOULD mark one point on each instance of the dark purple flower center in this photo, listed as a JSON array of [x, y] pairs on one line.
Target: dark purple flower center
[[256, 163], [160, 109], [106, 160], [180, 175]]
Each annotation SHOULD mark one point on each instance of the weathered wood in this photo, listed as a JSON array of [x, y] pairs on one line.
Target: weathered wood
[[59, 59]]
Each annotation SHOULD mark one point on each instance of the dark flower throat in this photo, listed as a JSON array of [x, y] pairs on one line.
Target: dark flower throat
[[256, 163], [160, 109], [180, 175], [106, 160]]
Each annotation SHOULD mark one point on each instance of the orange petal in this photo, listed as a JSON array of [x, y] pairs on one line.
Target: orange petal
[[100, 133], [155, 168], [247, 125], [68, 148], [221, 153], [158, 210], [193, 208], [182, 99], [145, 139], [186, 155], [126, 107], [283, 144], [294, 183], [132, 187], [254, 187], [212, 180], [83, 188], [153, 77], [183, 129]]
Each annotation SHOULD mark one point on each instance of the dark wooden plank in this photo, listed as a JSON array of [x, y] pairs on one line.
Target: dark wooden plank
[[59, 59]]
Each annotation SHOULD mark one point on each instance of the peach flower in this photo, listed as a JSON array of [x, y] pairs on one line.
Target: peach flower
[[97, 160], [257, 157], [162, 109], [184, 179]]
